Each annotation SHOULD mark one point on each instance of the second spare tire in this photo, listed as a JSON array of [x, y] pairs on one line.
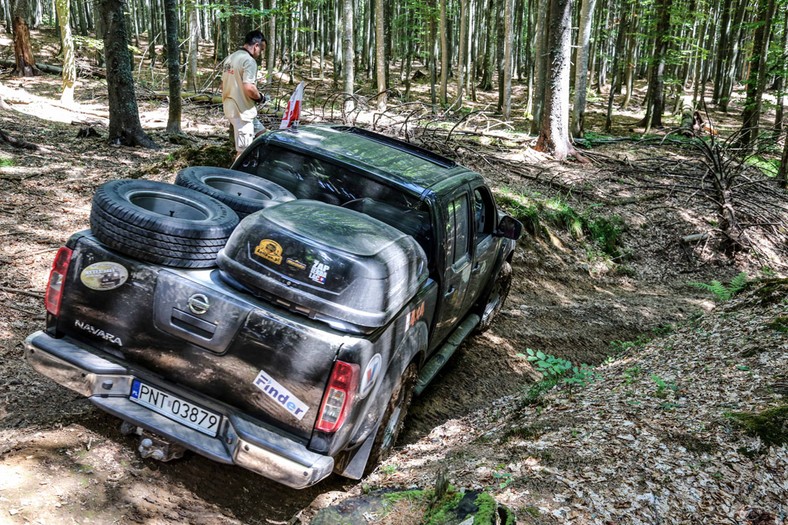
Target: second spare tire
[[242, 192], [161, 223]]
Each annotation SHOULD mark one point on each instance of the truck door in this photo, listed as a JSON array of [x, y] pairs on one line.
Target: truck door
[[456, 210], [484, 247]]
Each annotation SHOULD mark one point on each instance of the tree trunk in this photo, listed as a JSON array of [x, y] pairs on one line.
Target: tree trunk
[[507, 59], [270, 62], [581, 66], [655, 97], [67, 43], [463, 51], [554, 133], [783, 175], [194, 46], [444, 52], [348, 67], [540, 66], [487, 61], [732, 56], [380, 54], [124, 117], [173, 66], [756, 81], [25, 63], [781, 82]]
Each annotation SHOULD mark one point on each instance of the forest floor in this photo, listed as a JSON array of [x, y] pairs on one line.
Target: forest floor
[[649, 441]]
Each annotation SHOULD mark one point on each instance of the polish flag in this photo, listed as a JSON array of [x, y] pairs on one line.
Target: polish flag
[[293, 111]]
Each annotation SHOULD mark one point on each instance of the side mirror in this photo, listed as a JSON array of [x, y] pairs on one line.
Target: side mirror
[[510, 228]]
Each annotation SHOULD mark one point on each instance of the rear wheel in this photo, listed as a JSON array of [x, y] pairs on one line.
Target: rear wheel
[[242, 192], [161, 223], [498, 295], [393, 418]]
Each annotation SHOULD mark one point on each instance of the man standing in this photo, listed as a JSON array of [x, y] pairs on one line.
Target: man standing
[[239, 90]]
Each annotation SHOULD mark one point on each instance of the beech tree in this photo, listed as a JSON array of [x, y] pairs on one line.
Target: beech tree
[[23, 53], [173, 66], [655, 97], [124, 116], [67, 45], [581, 66], [348, 58], [756, 81], [554, 127]]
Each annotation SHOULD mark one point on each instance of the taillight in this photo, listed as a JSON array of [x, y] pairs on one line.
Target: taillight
[[338, 397], [56, 277]]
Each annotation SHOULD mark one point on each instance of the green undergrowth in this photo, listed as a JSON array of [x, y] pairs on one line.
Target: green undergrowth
[[724, 292], [453, 506], [540, 214], [556, 371], [771, 425]]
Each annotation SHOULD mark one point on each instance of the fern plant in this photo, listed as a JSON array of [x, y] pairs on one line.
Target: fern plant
[[721, 291]]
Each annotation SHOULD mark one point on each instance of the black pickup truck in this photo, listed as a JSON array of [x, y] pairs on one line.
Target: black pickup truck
[[289, 342]]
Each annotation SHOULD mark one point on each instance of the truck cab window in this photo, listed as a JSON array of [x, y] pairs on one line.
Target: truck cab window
[[457, 229]]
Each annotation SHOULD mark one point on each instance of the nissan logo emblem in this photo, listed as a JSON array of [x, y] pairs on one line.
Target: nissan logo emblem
[[199, 303]]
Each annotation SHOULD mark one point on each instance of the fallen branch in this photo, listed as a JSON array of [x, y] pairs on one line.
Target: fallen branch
[[37, 295], [17, 143]]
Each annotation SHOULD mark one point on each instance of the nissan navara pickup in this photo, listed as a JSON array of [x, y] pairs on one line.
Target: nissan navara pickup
[[281, 314]]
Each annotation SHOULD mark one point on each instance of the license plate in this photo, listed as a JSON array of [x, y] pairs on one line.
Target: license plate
[[175, 408]]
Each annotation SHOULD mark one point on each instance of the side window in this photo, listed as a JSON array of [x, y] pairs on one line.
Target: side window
[[483, 211], [457, 229]]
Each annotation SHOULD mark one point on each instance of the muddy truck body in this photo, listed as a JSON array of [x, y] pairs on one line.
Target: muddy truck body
[[289, 343]]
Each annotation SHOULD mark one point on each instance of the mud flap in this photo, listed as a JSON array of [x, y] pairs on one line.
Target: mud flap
[[358, 461]]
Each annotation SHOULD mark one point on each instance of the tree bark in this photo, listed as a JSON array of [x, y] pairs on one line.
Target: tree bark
[[67, 43], [444, 52], [783, 174], [173, 66], [348, 66], [554, 133], [124, 117], [25, 63], [540, 66], [194, 46], [507, 58], [655, 96], [756, 81], [380, 54], [463, 51], [581, 65]]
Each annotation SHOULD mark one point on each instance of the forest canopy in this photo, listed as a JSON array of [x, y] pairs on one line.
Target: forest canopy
[[539, 61]]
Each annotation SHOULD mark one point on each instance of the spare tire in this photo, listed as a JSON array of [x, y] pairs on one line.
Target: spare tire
[[161, 223], [242, 192]]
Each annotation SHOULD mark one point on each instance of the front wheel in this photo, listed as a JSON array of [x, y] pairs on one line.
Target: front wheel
[[393, 418], [498, 295]]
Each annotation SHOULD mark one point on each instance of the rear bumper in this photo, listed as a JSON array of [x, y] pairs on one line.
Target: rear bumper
[[240, 441]]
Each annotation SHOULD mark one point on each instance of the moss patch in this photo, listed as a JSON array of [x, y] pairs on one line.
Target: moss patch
[[780, 324], [771, 425]]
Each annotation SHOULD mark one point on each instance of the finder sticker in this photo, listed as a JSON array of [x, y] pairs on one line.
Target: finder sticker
[[370, 375], [104, 276], [298, 265], [282, 396], [269, 250], [319, 272]]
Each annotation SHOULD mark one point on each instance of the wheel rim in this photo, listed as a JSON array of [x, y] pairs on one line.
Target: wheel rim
[[237, 188], [168, 206]]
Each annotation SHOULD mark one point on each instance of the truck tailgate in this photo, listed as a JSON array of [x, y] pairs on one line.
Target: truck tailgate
[[192, 330]]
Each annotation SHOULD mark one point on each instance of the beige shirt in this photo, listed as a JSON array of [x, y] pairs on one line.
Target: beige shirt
[[238, 69]]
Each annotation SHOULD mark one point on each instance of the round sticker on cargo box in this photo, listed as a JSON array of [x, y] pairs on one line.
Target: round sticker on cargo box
[[104, 275]]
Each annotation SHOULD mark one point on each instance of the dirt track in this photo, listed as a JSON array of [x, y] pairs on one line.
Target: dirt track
[[64, 461]]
